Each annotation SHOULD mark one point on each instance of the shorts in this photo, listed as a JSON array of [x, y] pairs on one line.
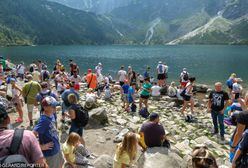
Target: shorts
[[55, 160], [121, 83], [144, 97], [21, 75], [124, 98], [186, 98], [30, 108], [76, 129], [17, 101], [183, 84], [161, 76]]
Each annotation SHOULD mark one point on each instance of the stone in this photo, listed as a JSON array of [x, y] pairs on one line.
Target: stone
[[104, 161], [97, 118], [159, 157], [121, 121], [200, 88], [184, 147], [118, 138]]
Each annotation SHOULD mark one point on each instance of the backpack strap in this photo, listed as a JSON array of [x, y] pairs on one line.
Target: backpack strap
[[16, 141]]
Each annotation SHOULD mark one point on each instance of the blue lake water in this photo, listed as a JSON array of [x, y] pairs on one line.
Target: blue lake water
[[208, 63]]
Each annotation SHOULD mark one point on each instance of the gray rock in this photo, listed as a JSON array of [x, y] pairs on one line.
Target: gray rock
[[121, 121], [160, 158], [200, 88], [98, 118], [118, 138], [104, 161]]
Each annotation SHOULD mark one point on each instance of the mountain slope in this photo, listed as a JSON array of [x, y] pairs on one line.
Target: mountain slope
[[51, 23]]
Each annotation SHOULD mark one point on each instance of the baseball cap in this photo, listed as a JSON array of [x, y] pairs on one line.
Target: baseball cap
[[3, 113], [153, 116], [49, 101], [160, 62], [99, 63]]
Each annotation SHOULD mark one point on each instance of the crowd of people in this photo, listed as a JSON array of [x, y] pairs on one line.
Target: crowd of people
[[46, 90]]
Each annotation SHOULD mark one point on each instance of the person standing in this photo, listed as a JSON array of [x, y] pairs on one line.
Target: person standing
[[91, 79], [122, 75], [21, 70], [29, 92], [36, 75], [145, 93], [161, 70], [184, 78], [76, 79], [29, 146], [188, 97], [218, 102], [48, 136]]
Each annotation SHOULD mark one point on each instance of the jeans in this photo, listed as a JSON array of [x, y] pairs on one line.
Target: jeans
[[217, 117], [76, 129]]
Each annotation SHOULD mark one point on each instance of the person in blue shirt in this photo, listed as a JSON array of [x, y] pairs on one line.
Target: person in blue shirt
[[64, 96], [124, 93], [147, 72], [131, 95], [47, 134]]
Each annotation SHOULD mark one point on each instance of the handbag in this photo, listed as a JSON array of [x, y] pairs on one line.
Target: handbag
[[26, 96]]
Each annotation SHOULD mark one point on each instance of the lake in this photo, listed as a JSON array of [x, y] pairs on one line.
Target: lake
[[208, 63]]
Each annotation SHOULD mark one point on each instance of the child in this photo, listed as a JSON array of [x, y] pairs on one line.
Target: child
[[74, 152], [107, 92], [126, 151], [124, 93], [131, 97]]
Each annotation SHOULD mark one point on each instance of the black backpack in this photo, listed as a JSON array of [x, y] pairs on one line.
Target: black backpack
[[14, 159], [185, 76], [82, 115], [45, 75]]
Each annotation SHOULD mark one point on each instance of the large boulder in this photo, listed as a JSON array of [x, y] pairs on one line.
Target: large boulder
[[160, 157], [200, 88], [97, 118], [104, 161]]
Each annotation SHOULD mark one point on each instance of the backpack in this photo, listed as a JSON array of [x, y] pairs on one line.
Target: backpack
[[14, 160], [160, 69], [31, 69], [45, 75], [185, 76], [82, 115], [144, 113]]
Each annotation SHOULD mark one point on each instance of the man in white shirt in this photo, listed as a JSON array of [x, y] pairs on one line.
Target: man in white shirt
[[122, 75], [21, 70], [155, 90], [162, 73]]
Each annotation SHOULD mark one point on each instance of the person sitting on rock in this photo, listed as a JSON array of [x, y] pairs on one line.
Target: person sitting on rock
[[202, 158], [153, 133], [91, 99], [126, 151], [75, 153], [156, 90], [172, 90]]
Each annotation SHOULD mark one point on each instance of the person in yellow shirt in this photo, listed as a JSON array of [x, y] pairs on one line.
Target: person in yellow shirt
[[75, 154], [126, 151]]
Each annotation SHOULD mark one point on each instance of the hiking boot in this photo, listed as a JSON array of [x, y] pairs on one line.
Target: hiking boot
[[213, 133]]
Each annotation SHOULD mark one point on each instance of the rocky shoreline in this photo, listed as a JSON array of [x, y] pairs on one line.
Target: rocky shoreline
[[109, 122]]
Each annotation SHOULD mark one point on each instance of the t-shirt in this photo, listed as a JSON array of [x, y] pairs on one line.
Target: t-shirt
[[69, 150], [146, 87], [29, 147], [153, 133], [122, 159], [48, 133], [34, 90], [243, 145], [125, 88], [76, 80], [43, 74], [146, 74], [122, 75], [92, 80], [236, 88], [36, 76], [156, 90], [66, 93], [21, 69], [218, 99], [130, 92]]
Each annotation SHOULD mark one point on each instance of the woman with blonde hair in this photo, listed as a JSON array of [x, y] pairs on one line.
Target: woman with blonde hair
[[202, 158], [126, 151]]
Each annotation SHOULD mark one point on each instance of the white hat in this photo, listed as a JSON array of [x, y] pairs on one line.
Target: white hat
[[160, 62], [99, 63]]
